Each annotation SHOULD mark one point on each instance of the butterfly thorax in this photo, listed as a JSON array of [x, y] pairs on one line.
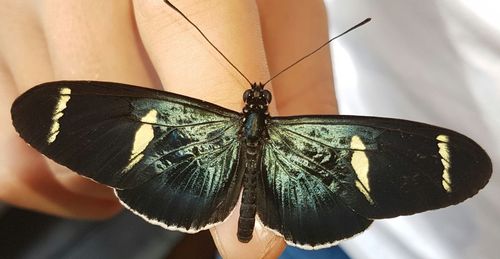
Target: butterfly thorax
[[252, 135], [255, 111]]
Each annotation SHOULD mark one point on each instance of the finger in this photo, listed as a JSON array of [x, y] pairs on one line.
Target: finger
[[99, 43], [25, 179], [55, 40], [186, 64], [291, 29]]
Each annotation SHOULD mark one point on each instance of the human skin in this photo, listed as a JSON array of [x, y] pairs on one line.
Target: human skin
[[146, 43]]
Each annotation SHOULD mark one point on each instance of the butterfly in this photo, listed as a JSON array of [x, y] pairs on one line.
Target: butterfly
[[183, 163]]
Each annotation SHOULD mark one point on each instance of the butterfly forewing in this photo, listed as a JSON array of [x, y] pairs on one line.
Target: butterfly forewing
[[117, 134]]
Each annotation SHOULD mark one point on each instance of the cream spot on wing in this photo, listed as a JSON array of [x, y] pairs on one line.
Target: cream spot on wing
[[133, 161], [361, 166], [143, 136], [444, 152], [151, 117], [65, 91], [357, 143], [64, 96], [443, 138]]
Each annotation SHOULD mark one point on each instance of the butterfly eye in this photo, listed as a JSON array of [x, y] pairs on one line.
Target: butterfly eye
[[267, 96], [246, 95]]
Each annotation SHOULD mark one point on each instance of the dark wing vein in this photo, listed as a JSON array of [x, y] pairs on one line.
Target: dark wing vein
[[316, 141], [192, 144], [301, 155]]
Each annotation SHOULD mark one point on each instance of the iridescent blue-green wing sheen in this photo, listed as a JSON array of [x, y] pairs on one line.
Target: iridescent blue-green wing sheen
[[177, 153], [197, 190], [327, 176]]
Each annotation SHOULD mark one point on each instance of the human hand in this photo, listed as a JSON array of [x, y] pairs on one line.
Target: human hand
[[108, 41]]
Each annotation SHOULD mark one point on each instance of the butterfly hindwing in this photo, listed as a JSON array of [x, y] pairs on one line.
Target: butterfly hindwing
[[199, 189], [361, 168], [111, 132], [294, 202]]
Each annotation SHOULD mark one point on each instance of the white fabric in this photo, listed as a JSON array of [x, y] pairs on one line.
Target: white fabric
[[436, 62]]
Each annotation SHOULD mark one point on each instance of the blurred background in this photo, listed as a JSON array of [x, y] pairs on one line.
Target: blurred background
[[436, 62], [430, 61]]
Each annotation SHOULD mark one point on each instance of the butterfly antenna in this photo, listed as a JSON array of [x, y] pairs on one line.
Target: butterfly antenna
[[205, 37], [316, 50]]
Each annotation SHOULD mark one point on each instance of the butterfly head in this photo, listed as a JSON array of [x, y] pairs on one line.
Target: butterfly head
[[256, 99]]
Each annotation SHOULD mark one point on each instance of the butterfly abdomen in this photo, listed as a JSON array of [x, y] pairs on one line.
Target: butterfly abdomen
[[248, 207], [253, 128]]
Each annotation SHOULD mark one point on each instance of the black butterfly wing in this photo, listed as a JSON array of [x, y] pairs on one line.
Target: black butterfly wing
[[175, 158], [327, 176]]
